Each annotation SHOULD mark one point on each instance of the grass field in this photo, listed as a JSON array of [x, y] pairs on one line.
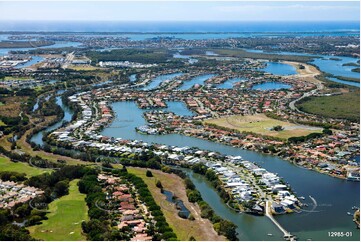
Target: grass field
[[7, 165], [1, 122], [346, 105], [65, 217], [262, 125], [200, 229]]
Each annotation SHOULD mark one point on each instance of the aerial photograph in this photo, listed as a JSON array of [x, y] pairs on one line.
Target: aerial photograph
[[179, 120]]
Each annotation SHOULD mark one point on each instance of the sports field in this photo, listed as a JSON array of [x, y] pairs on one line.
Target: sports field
[[65, 217], [262, 125]]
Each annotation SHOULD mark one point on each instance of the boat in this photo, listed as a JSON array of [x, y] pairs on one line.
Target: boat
[[348, 213], [270, 234], [303, 198]]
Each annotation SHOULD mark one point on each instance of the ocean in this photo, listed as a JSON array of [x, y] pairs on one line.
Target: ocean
[[337, 28]]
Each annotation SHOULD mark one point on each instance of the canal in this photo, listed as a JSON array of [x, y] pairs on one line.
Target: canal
[[199, 80], [38, 137], [334, 197]]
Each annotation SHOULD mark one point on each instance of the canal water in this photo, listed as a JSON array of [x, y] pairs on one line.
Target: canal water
[[34, 60], [230, 83], [38, 137], [179, 108], [334, 197], [155, 82], [277, 68], [196, 80], [133, 78], [271, 86]]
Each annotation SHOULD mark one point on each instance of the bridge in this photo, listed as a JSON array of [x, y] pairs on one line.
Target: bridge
[[286, 235]]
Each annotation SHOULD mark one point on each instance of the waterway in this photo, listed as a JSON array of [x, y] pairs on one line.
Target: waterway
[[355, 84], [179, 108], [34, 60], [326, 63], [334, 197], [58, 44], [133, 78], [180, 56], [277, 68], [271, 86], [38, 137], [196, 80], [230, 83], [155, 82]]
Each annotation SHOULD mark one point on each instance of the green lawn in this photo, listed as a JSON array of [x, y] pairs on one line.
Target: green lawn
[[65, 217], [345, 106], [7, 165]]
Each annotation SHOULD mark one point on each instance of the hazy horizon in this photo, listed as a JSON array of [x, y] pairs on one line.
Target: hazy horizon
[[179, 11]]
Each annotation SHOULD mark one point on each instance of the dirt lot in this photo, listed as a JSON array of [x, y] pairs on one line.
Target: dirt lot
[[261, 124]]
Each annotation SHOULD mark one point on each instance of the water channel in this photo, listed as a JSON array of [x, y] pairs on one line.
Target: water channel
[[334, 197]]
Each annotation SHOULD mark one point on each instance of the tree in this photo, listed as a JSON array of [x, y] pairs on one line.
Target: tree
[[61, 188], [228, 229], [149, 173], [189, 184], [159, 184], [277, 128], [193, 196]]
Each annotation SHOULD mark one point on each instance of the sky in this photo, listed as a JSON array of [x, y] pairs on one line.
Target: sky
[[179, 11]]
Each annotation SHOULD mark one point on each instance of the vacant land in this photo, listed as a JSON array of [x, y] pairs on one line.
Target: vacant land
[[346, 106], [84, 68], [262, 125], [7, 165], [200, 229], [65, 217], [12, 78], [12, 106]]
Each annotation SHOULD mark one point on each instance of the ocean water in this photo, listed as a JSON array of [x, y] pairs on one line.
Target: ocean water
[[231, 27]]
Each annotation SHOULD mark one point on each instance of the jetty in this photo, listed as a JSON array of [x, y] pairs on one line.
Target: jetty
[[286, 235]]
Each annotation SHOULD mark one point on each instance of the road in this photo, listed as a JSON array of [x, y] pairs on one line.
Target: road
[[309, 73]]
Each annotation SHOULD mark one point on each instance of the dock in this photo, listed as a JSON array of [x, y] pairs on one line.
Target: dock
[[286, 235]]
